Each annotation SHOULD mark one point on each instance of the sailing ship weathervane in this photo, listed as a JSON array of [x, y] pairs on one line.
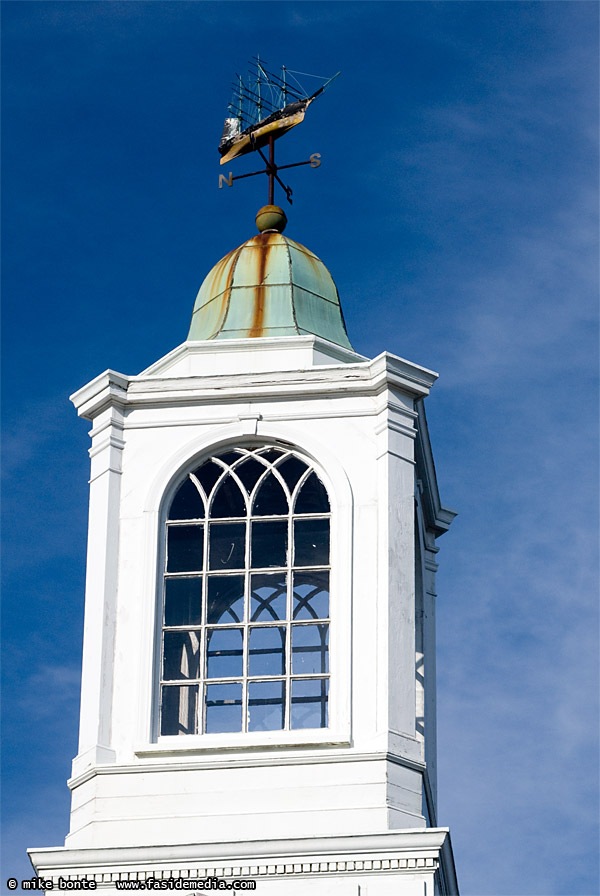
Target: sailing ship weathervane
[[263, 108]]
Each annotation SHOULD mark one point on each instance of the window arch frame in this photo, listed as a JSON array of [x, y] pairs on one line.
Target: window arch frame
[[336, 482]]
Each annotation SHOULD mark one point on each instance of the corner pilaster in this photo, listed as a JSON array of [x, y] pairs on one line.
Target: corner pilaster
[[101, 590]]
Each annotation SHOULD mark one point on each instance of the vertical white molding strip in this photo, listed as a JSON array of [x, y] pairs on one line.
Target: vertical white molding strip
[[401, 580], [101, 590], [429, 632]]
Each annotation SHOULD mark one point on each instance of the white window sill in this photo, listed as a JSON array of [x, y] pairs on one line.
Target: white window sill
[[263, 740]]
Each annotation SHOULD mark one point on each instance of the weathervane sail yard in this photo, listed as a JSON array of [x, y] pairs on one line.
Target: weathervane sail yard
[[264, 108]]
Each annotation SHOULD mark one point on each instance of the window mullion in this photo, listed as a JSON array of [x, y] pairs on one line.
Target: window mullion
[[246, 617], [288, 624], [203, 639]]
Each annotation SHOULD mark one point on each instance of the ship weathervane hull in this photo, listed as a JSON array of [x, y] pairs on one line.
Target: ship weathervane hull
[[257, 135]]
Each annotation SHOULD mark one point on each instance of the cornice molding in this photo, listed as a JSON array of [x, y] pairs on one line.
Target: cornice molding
[[106, 390], [165, 760], [389, 851], [365, 378], [425, 852], [351, 867]]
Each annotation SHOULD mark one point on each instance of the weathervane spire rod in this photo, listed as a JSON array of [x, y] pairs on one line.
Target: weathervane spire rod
[[271, 170]]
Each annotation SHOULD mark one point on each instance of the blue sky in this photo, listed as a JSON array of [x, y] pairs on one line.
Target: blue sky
[[456, 208]]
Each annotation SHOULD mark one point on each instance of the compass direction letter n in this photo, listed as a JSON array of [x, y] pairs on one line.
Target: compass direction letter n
[[225, 180]]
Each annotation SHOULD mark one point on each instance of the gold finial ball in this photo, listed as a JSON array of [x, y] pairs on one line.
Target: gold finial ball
[[271, 218]]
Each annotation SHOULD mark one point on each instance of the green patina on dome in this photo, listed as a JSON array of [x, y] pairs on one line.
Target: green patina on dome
[[269, 286]]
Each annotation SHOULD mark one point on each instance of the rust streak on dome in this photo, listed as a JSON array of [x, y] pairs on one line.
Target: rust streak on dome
[[228, 271], [263, 241]]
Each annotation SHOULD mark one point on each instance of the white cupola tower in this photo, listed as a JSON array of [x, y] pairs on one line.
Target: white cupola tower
[[258, 694]]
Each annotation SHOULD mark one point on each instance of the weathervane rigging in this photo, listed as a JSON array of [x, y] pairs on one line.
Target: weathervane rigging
[[262, 110]]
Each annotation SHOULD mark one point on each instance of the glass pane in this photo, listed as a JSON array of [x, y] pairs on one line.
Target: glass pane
[[310, 651], [208, 474], [181, 655], [183, 601], [312, 497], [224, 650], [223, 707], [228, 500], [268, 597], [311, 595], [309, 703], [271, 454], [291, 469], [269, 543], [311, 542], [179, 710], [227, 545], [270, 498], [187, 503], [225, 599], [250, 472], [185, 548], [229, 457], [266, 653], [266, 705]]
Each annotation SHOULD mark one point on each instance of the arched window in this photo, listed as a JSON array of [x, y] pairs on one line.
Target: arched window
[[245, 628]]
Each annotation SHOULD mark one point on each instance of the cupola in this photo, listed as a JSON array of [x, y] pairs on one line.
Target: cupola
[[269, 286], [258, 682]]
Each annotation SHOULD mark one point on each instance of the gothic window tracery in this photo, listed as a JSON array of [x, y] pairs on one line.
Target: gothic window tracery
[[245, 627]]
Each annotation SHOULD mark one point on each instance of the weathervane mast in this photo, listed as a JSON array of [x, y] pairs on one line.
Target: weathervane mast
[[247, 129]]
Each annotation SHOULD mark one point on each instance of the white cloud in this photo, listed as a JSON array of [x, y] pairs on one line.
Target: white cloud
[[48, 692], [517, 669]]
